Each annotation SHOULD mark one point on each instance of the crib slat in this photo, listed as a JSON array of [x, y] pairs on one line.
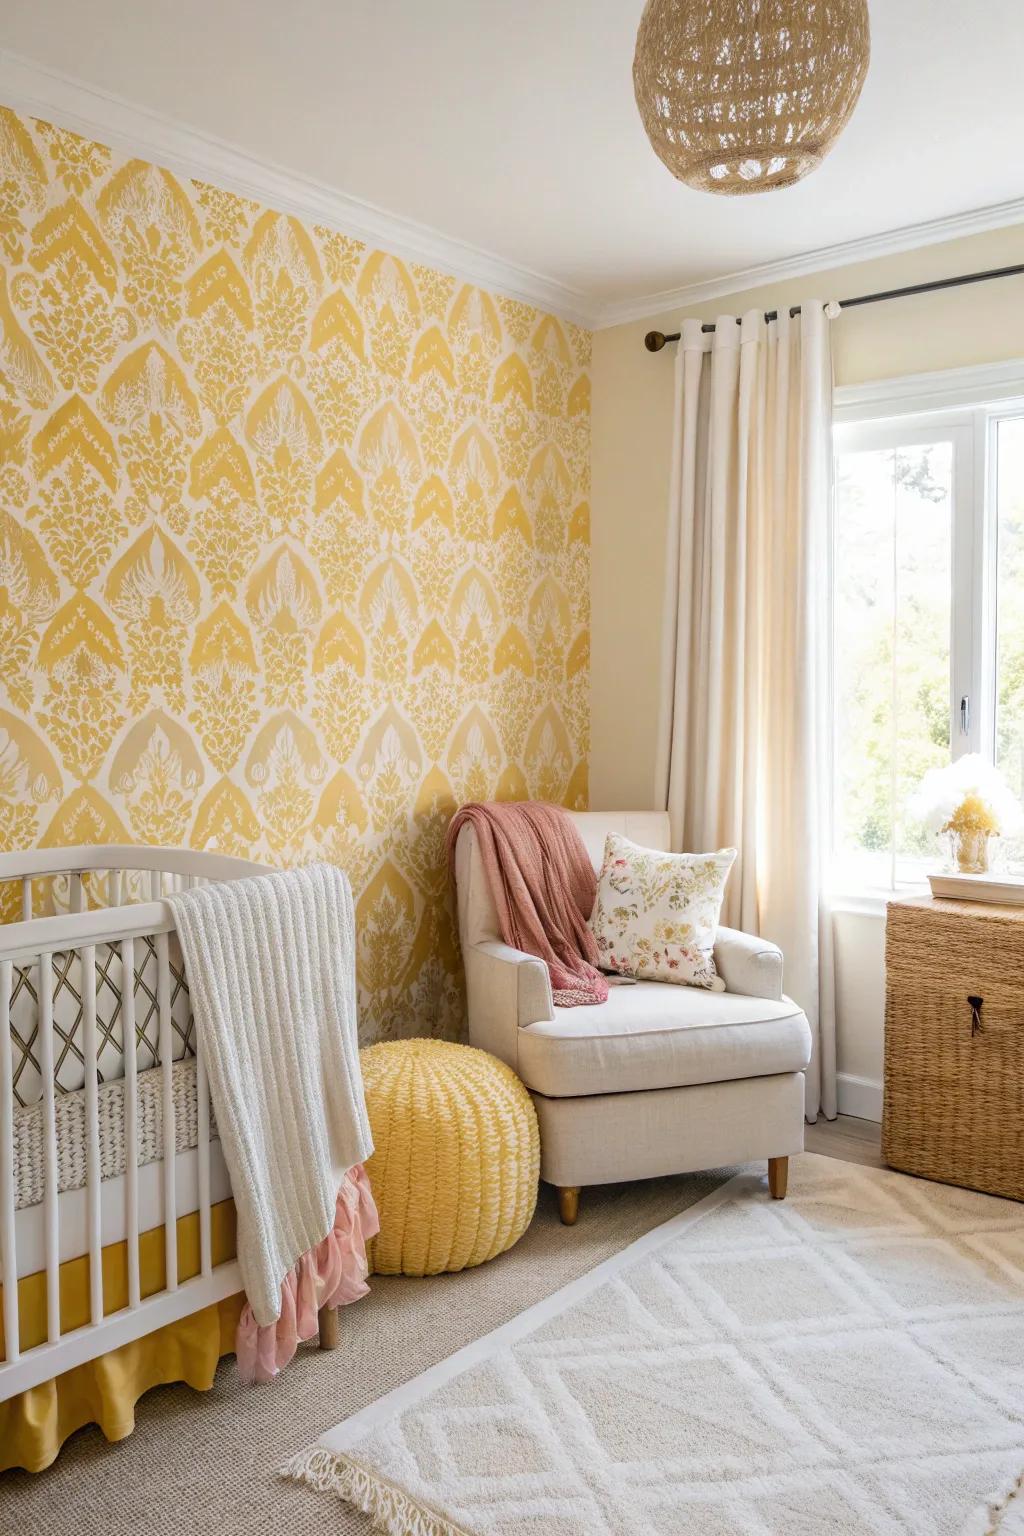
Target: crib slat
[[163, 998], [87, 956], [8, 1256], [205, 1219], [117, 879], [74, 891], [131, 1119], [26, 898], [155, 885], [50, 1203]]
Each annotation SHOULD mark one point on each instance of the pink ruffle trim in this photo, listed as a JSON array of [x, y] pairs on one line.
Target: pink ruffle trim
[[329, 1275]]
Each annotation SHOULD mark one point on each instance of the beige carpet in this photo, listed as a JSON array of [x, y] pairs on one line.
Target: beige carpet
[[201, 1463], [849, 1361]]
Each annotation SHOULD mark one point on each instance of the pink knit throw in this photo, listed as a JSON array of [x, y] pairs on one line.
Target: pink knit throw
[[543, 885]]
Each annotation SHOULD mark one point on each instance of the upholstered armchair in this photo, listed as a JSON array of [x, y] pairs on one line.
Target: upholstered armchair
[[659, 1079]]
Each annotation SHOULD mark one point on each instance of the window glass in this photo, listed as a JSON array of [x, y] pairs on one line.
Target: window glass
[[1009, 494], [892, 624]]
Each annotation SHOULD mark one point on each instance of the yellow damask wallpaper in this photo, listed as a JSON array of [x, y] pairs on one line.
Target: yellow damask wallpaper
[[294, 548]]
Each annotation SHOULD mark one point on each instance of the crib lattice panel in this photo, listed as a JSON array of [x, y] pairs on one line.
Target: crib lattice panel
[[67, 1014], [37, 957]]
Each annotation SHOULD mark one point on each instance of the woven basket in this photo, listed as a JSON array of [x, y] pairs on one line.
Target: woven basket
[[954, 1044]]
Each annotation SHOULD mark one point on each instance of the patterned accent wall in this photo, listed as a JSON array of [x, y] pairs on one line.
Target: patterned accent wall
[[294, 548]]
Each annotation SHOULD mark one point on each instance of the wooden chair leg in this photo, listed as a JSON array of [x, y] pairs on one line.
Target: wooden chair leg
[[568, 1203], [327, 1317], [778, 1177]]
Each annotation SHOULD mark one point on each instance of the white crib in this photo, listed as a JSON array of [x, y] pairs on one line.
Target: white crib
[[43, 1139]]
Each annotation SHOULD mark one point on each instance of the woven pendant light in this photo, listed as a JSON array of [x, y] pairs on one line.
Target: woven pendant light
[[748, 95]]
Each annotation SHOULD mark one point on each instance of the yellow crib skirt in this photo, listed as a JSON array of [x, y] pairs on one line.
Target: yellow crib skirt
[[35, 1424]]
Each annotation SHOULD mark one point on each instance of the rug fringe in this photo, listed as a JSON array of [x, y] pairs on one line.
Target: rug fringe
[[395, 1514], [391, 1511], [988, 1520]]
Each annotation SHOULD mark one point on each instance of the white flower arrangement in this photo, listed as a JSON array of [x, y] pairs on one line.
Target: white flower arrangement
[[968, 795]]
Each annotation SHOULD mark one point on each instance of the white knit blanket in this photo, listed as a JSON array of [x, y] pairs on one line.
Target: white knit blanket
[[270, 962]]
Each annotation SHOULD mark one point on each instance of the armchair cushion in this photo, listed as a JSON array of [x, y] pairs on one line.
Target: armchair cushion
[[506, 990], [747, 965], [654, 1036]]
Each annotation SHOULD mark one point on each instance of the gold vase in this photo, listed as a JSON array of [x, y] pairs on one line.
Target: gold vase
[[970, 850]]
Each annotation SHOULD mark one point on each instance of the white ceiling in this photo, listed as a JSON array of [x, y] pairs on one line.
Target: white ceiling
[[510, 125]]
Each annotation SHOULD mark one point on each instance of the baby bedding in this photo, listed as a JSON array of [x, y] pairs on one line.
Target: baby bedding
[[271, 968], [69, 1063]]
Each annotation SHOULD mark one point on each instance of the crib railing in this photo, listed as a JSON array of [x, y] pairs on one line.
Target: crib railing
[[33, 942]]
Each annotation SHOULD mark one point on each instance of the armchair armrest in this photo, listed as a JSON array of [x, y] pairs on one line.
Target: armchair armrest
[[505, 990], [748, 965]]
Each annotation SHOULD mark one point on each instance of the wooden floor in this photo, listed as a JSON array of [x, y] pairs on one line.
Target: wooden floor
[[855, 1141]]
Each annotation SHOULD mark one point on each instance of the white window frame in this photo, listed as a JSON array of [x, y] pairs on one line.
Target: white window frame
[[964, 406]]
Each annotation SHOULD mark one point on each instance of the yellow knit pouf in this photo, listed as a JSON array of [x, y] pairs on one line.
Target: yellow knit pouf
[[457, 1155]]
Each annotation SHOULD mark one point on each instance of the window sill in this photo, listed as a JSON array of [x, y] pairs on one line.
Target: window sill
[[864, 903], [870, 903]]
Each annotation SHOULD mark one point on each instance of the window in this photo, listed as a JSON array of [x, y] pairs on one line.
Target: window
[[1010, 600], [928, 622]]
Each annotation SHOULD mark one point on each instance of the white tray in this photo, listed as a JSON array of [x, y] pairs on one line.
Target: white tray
[[1005, 890]]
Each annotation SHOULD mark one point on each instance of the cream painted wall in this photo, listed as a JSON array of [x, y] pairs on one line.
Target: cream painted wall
[[860, 994], [631, 461]]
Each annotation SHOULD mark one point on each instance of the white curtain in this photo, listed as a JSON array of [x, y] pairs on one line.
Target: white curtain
[[744, 742]]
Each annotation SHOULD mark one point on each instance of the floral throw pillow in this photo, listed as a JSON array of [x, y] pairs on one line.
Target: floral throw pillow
[[656, 914]]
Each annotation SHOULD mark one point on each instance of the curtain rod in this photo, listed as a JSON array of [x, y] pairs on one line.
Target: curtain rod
[[655, 340]]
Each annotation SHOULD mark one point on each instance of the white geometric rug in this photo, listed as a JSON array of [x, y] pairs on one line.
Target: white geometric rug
[[847, 1361]]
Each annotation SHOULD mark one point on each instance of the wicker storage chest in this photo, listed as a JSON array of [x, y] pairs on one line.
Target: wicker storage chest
[[954, 1043]]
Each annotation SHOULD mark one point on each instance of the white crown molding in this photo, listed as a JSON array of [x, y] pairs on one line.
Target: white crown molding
[[946, 389], [908, 238], [33, 89], [39, 92]]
